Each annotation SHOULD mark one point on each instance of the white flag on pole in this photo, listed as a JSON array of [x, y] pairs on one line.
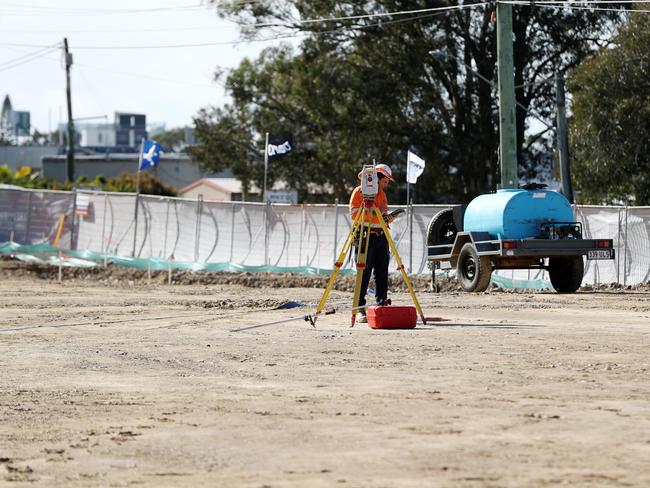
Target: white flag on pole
[[414, 167]]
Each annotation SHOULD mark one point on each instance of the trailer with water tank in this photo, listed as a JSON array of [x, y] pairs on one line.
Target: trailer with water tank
[[525, 228]]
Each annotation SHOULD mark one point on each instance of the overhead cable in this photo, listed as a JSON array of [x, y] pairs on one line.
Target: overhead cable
[[368, 16], [147, 77], [165, 46], [564, 5], [571, 4], [28, 58], [430, 11], [45, 48], [44, 11], [120, 31]]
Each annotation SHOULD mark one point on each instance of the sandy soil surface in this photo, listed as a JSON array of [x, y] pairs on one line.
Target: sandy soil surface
[[118, 383]]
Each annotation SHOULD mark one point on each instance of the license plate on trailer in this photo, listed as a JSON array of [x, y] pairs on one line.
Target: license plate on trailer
[[600, 254]]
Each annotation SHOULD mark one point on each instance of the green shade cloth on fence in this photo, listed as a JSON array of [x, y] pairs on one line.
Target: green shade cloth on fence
[[46, 254]]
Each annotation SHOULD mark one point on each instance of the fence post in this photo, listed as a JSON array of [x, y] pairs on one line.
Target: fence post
[[197, 230], [166, 229], [302, 232], [232, 233], [74, 215], [625, 249], [618, 246], [336, 227], [135, 217], [266, 232], [104, 228], [29, 217]]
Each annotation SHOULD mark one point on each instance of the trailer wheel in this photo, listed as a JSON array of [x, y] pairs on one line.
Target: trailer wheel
[[473, 271], [442, 229], [566, 273]]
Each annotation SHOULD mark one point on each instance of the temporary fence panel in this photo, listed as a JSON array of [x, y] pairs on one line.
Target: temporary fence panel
[[100, 211], [250, 235], [34, 216], [109, 226], [636, 261], [212, 233], [601, 222]]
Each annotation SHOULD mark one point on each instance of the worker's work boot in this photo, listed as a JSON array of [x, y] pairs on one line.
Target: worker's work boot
[[383, 302]]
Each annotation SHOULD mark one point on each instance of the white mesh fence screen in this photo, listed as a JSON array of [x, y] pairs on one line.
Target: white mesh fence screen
[[33, 216], [282, 237]]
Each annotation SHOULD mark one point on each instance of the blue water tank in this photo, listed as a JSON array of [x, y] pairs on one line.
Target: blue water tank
[[516, 213]]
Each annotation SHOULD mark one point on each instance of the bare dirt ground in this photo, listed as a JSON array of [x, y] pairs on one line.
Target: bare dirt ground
[[109, 381]]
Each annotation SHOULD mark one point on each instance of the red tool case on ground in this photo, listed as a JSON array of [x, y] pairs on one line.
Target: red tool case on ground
[[392, 317]]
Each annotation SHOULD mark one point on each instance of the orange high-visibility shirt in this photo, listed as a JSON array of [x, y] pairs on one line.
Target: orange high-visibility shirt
[[356, 201]]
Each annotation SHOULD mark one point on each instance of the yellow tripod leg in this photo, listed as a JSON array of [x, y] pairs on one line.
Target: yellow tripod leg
[[362, 255], [337, 265], [400, 266]]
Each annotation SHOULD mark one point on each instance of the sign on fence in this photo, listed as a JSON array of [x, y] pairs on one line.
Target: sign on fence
[[283, 196]]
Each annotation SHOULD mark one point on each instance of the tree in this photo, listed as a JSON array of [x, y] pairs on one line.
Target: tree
[[226, 141], [363, 88], [610, 127], [173, 140]]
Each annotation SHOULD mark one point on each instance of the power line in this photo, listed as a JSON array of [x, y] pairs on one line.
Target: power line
[[90, 88], [148, 77], [595, 9], [369, 16], [126, 73], [279, 37], [571, 4], [201, 85], [30, 54], [28, 57], [575, 7], [15, 9], [165, 46], [120, 31], [43, 11], [134, 75]]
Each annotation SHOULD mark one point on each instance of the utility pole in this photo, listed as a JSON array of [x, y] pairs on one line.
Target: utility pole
[[562, 138], [69, 160], [507, 124]]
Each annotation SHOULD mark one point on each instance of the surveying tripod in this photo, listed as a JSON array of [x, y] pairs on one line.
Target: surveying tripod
[[361, 230]]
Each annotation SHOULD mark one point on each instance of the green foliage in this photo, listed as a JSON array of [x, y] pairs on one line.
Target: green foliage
[[26, 178], [363, 89], [149, 183], [172, 140], [6, 176], [610, 128]]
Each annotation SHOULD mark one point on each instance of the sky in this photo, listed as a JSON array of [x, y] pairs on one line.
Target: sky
[[122, 61]]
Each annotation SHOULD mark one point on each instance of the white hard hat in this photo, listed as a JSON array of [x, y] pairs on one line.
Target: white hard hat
[[384, 169]]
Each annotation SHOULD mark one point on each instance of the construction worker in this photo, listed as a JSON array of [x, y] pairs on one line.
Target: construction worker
[[378, 251]]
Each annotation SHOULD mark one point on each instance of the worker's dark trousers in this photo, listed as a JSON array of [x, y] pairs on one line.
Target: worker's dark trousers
[[377, 261]]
